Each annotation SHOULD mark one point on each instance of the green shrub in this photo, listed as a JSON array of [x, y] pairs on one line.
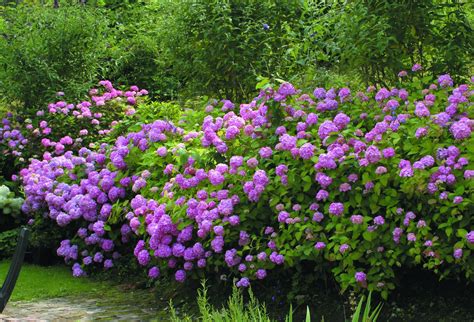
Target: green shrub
[[220, 47], [378, 38], [8, 241], [45, 50], [10, 217], [134, 53], [10, 209]]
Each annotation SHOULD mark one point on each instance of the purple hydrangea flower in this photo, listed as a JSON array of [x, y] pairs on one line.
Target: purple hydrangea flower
[[445, 80], [261, 274], [343, 248], [458, 199], [357, 219], [320, 245], [388, 153], [243, 282], [416, 68], [379, 220], [180, 275], [336, 208], [265, 152], [306, 151], [457, 254], [360, 277], [460, 130]]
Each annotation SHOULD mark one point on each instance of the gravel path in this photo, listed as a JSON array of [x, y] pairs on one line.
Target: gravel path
[[78, 309]]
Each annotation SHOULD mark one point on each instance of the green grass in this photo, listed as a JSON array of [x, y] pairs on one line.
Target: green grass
[[37, 282]]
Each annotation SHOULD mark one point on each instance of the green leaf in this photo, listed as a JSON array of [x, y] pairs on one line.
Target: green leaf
[[461, 233], [449, 231], [298, 235], [369, 236]]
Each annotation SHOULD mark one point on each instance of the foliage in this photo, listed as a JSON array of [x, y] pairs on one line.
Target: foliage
[[134, 54], [377, 38], [9, 204], [9, 217], [186, 49], [238, 309], [368, 314], [8, 240], [44, 50], [353, 184], [44, 234], [220, 47]]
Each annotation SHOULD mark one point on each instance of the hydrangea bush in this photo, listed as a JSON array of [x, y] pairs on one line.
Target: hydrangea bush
[[356, 184], [63, 126]]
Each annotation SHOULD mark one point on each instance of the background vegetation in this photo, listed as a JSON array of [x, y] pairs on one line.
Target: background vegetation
[[186, 48]]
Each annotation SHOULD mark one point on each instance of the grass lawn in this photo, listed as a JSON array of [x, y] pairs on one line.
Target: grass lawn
[[37, 282]]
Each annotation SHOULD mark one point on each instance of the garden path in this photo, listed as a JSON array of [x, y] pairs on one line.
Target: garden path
[[79, 309]]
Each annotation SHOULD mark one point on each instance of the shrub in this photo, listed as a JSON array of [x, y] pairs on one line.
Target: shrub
[[8, 241], [356, 184], [220, 47], [378, 38], [63, 126], [10, 206], [45, 49], [134, 55]]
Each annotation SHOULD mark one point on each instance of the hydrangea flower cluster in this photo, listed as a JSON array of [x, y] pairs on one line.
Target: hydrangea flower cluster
[[341, 180]]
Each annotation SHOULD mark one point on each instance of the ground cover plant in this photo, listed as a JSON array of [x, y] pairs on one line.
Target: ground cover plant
[[355, 184]]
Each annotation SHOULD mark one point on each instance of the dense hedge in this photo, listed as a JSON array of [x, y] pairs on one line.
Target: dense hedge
[[356, 184]]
